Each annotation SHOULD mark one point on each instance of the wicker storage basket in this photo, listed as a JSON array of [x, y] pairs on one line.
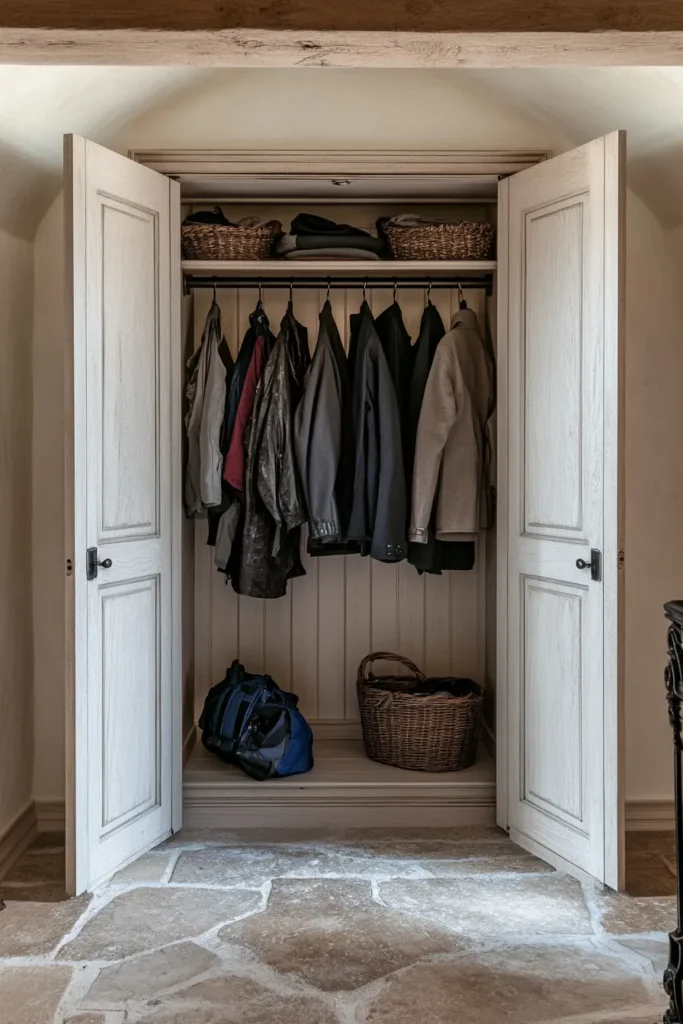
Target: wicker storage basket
[[229, 242], [466, 240], [425, 733]]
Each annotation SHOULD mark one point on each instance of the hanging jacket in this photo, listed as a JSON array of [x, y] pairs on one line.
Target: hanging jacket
[[399, 353], [378, 516], [436, 556], [233, 472], [450, 452], [258, 325], [206, 392], [268, 552], [323, 452]]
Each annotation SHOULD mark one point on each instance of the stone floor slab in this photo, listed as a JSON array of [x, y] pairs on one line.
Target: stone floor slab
[[31, 995], [505, 863], [520, 985], [625, 915], [144, 919], [656, 951], [495, 907], [148, 868], [148, 976], [334, 936], [254, 865], [233, 1000], [35, 929]]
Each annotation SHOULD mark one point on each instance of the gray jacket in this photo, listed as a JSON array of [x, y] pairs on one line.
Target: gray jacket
[[205, 394], [452, 452], [318, 431]]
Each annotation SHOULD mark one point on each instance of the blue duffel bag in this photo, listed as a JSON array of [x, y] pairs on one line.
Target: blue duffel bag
[[249, 721]]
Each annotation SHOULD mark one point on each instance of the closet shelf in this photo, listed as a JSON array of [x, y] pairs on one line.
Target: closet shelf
[[337, 268]]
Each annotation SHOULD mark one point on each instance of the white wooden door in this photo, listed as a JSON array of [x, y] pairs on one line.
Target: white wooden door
[[559, 709], [123, 715]]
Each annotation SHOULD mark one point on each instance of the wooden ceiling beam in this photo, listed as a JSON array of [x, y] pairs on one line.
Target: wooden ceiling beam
[[461, 16], [343, 33]]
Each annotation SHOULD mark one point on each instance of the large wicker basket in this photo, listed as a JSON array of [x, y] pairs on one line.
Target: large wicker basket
[[228, 241], [465, 240], [422, 732]]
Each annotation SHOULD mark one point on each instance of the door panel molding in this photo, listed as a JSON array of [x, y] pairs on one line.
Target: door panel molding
[[123, 625], [560, 398]]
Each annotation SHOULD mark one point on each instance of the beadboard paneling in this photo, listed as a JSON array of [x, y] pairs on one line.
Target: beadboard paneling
[[312, 640]]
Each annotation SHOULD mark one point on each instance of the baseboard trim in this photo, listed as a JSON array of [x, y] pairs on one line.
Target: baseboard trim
[[50, 815], [650, 816], [16, 837]]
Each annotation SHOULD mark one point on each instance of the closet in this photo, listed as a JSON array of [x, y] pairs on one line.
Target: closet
[[151, 624]]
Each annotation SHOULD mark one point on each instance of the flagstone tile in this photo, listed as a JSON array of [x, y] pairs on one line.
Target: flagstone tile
[[335, 937], [144, 919]]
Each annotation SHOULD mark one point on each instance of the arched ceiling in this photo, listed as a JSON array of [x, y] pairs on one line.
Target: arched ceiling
[[327, 108]]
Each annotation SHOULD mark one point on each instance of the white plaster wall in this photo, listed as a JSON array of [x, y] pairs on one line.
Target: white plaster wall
[[654, 490], [16, 668]]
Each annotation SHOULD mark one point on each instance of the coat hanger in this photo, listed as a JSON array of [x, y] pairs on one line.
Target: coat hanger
[[428, 296], [291, 295], [365, 288], [260, 293], [395, 289], [214, 291], [461, 297], [329, 288]]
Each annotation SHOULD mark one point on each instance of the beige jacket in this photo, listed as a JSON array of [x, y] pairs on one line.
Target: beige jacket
[[453, 452]]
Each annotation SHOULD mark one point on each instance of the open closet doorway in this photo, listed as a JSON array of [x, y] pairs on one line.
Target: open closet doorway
[[139, 598]]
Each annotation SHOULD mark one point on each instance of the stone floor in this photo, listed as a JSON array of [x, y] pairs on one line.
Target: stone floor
[[440, 927]]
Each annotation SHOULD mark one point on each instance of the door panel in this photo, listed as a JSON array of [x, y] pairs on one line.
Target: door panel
[[125, 746], [561, 247]]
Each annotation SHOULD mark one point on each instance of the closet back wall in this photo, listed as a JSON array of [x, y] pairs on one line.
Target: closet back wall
[[313, 640]]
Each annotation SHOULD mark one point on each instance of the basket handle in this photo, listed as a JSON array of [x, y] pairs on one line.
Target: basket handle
[[365, 674]]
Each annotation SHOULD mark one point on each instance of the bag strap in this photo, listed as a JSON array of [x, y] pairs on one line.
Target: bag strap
[[366, 675]]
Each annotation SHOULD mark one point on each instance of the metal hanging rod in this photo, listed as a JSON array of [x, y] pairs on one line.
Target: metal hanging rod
[[398, 283]]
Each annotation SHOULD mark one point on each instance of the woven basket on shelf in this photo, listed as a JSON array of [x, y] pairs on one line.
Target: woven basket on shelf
[[466, 240], [426, 733], [229, 242]]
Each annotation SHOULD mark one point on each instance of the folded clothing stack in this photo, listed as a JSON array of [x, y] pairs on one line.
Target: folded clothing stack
[[216, 216], [313, 238]]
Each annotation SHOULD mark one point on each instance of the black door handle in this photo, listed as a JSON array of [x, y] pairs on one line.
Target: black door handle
[[595, 564], [91, 563]]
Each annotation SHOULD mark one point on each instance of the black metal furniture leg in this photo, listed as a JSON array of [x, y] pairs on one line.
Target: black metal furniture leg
[[673, 677]]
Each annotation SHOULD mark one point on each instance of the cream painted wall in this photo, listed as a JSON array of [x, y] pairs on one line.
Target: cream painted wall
[[654, 490], [326, 108], [47, 524], [16, 658]]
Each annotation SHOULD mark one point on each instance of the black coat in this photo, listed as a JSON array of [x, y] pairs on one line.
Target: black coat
[[268, 552], [399, 352], [436, 555], [378, 516]]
